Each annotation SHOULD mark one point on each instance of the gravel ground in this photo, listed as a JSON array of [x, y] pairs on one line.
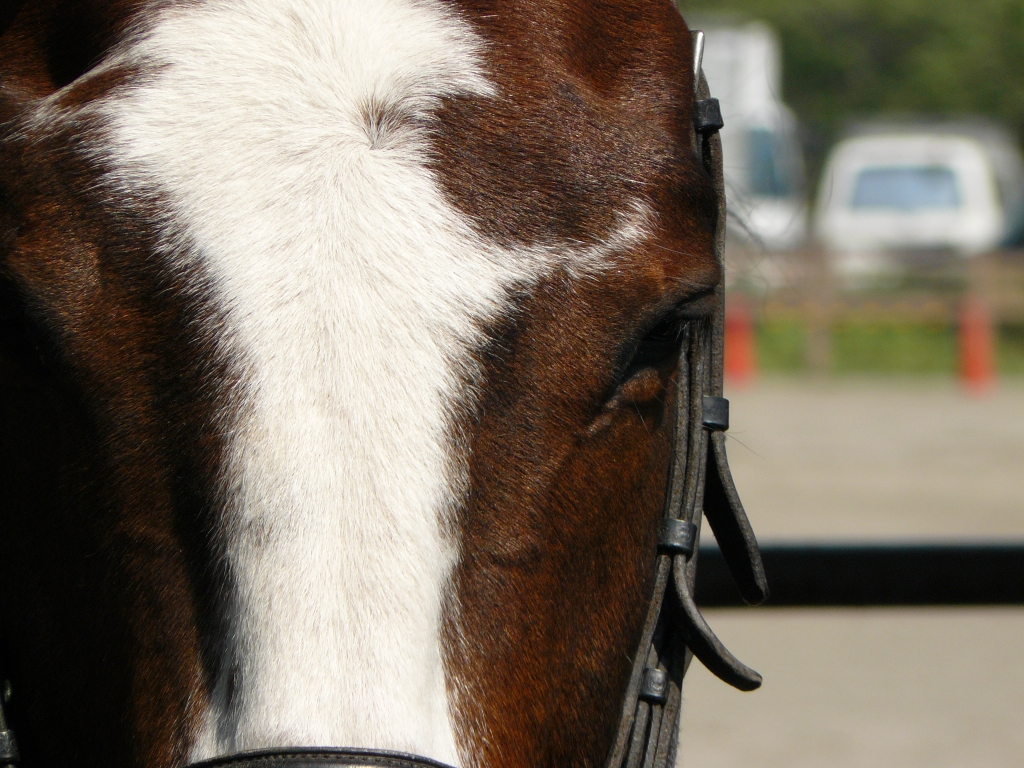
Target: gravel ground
[[846, 688]]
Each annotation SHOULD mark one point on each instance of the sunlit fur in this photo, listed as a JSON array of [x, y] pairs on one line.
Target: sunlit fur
[[289, 140]]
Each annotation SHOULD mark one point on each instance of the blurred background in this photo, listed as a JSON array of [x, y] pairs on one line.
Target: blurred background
[[875, 365]]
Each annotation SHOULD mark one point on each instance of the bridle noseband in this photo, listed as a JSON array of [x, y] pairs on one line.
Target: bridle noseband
[[699, 482]]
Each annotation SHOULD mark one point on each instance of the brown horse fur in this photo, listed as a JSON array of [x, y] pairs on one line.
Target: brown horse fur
[[112, 395]]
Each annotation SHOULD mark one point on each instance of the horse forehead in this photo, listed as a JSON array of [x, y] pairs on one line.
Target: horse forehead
[[532, 142], [250, 112], [591, 114]]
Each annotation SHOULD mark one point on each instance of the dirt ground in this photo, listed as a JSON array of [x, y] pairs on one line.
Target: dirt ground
[[852, 688]]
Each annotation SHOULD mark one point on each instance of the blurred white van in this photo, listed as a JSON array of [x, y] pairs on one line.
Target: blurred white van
[[764, 173], [890, 189]]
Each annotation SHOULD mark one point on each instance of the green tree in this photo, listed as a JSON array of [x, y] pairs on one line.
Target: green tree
[[855, 59]]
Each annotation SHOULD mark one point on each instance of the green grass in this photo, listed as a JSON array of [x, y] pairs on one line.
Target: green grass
[[1011, 350], [892, 348], [882, 349], [780, 347]]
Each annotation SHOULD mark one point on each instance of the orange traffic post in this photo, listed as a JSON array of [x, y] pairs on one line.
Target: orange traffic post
[[977, 346], [740, 352]]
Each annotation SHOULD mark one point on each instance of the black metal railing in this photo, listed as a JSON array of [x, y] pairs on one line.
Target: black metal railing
[[822, 575]]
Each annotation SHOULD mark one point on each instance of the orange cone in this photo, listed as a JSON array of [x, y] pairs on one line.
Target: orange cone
[[977, 347], [740, 352]]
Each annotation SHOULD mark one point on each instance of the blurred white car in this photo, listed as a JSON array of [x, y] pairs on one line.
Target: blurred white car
[[947, 188]]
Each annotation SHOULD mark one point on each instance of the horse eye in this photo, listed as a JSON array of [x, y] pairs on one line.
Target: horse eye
[[659, 348]]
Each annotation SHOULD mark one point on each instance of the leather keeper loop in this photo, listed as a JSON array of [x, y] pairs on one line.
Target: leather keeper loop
[[677, 536], [654, 688], [708, 117], [716, 414]]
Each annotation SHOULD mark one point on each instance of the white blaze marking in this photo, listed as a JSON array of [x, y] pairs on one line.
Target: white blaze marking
[[351, 295]]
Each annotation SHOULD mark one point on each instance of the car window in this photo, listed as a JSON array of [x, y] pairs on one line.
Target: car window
[[772, 164], [907, 188]]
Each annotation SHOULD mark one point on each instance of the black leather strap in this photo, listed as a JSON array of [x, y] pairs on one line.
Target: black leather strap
[[319, 758], [699, 479], [732, 529]]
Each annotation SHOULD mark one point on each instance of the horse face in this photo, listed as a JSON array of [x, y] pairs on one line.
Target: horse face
[[339, 346]]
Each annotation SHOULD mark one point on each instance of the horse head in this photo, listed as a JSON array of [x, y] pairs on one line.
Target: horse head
[[339, 363]]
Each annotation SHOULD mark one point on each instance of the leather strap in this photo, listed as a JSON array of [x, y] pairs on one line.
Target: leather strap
[[318, 758], [699, 480]]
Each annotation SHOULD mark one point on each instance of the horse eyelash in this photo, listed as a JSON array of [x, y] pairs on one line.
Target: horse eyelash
[[657, 347]]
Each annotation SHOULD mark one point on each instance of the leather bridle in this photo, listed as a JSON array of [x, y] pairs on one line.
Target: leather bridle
[[699, 481]]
